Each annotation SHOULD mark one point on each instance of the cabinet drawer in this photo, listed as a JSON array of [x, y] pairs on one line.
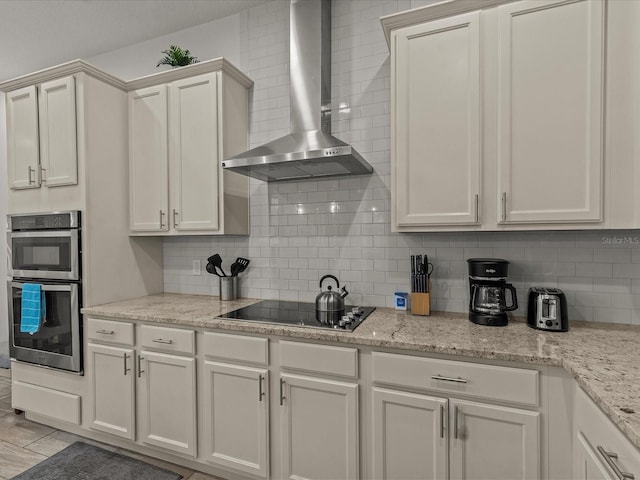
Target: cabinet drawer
[[174, 340], [46, 401], [110, 331], [506, 384], [592, 424], [319, 358], [236, 348]]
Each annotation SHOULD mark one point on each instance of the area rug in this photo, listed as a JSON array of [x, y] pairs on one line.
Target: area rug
[[81, 461]]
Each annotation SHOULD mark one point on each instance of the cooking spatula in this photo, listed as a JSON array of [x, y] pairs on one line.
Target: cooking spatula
[[216, 261]]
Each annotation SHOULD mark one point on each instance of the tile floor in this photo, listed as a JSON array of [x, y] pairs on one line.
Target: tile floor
[[24, 444]]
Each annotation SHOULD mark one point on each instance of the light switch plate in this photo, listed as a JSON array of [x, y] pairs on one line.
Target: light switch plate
[[196, 267]]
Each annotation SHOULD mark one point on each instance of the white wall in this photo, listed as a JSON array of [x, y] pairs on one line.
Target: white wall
[[219, 38], [4, 322]]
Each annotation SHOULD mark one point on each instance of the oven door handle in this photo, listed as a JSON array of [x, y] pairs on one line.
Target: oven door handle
[[43, 233], [48, 287]]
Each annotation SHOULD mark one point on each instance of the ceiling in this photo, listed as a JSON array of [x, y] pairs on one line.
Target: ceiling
[[35, 34]]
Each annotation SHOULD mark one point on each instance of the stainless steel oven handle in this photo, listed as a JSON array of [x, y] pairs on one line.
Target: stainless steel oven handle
[[160, 340], [609, 457]]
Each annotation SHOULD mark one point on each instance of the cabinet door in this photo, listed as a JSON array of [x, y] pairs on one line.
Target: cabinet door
[[167, 401], [148, 160], [550, 96], [112, 390], [409, 436], [194, 154], [22, 138], [493, 443], [585, 462], [236, 417], [319, 424], [436, 122], [57, 114]]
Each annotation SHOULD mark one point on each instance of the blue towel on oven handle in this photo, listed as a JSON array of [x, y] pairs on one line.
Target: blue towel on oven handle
[[34, 308]]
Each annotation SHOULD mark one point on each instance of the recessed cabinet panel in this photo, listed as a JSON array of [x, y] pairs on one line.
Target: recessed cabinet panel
[[236, 417], [167, 401], [148, 160], [58, 150], [550, 119], [22, 138], [112, 389], [492, 442], [410, 436], [436, 95], [195, 159]]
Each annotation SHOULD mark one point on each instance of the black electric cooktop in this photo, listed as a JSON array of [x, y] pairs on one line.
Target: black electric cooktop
[[294, 313]]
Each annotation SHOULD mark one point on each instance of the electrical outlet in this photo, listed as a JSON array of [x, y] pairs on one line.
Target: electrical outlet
[[196, 267]]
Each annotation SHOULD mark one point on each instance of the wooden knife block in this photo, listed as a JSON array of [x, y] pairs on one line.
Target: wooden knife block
[[421, 303]]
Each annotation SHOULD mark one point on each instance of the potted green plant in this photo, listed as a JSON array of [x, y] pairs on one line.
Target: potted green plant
[[177, 57]]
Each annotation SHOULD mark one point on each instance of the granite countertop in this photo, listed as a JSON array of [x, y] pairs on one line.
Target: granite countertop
[[603, 358]]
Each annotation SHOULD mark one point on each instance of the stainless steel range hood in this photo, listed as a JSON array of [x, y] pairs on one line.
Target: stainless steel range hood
[[309, 151]]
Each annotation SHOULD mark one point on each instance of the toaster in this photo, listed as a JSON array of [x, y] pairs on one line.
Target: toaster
[[547, 309]]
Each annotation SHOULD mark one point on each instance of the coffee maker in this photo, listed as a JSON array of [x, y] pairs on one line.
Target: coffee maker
[[487, 287]]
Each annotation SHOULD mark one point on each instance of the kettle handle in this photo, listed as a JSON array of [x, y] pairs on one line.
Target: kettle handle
[[514, 298], [330, 276]]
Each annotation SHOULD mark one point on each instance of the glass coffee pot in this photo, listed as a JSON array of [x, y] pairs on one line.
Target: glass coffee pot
[[488, 291]]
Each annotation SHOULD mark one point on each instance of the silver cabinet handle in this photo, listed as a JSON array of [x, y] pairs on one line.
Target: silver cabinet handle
[[455, 422], [106, 332], [175, 215], [125, 364], [282, 391], [160, 340], [608, 457], [161, 218], [140, 371], [477, 208], [43, 177], [260, 391], [503, 203], [31, 170], [441, 421], [448, 379]]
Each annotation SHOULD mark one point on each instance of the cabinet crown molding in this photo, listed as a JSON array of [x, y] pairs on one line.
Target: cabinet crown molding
[[62, 70], [216, 64], [435, 11]]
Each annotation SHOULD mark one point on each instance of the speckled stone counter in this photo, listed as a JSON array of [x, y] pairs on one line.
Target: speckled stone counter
[[603, 358]]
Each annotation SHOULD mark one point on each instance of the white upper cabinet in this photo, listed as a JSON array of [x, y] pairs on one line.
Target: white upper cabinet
[[550, 111], [148, 159], [436, 98], [22, 138], [182, 124], [514, 115], [195, 159], [58, 149], [41, 135]]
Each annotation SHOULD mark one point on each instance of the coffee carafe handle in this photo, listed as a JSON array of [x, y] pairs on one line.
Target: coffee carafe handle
[[514, 298], [472, 299]]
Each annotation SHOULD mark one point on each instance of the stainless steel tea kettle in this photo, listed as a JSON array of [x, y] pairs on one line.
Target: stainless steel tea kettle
[[330, 303]]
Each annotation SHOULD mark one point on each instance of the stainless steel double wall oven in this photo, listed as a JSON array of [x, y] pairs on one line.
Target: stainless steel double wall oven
[[45, 249]]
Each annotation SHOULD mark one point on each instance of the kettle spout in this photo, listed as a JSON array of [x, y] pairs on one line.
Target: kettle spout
[[343, 292]]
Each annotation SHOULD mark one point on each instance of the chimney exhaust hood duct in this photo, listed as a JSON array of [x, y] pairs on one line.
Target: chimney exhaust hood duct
[[309, 151]]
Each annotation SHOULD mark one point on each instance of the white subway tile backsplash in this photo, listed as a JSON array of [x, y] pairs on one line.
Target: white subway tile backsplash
[[303, 230]]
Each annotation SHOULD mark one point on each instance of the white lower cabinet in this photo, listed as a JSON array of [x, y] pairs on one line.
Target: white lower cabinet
[[319, 424], [113, 390], [138, 390], [409, 436], [600, 450], [493, 442], [236, 417], [167, 401], [417, 435]]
